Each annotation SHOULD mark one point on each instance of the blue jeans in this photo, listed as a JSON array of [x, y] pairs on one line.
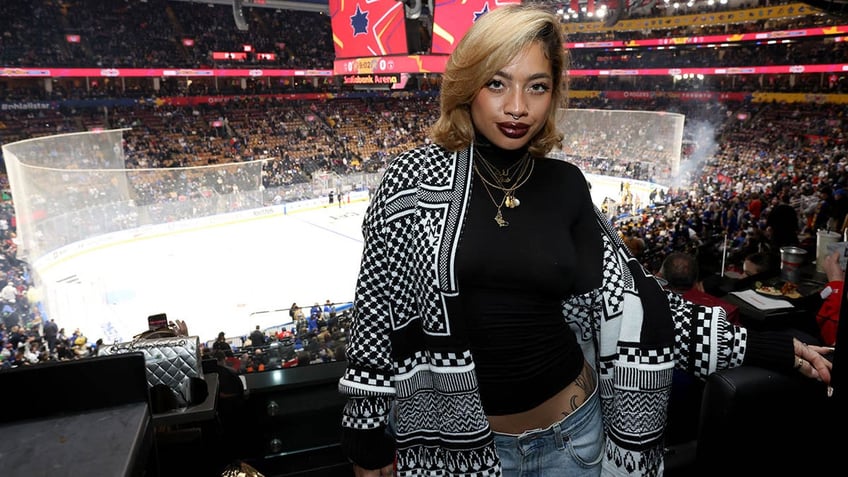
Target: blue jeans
[[571, 447]]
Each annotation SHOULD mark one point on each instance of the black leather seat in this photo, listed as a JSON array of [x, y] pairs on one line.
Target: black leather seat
[[759, 422]]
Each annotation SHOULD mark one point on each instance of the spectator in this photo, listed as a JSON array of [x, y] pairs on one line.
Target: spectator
[[680, 272], [315, 311], [312, 323], [296, 314], [839, 211], [9, 293], [329, 310], [758, 264], [230, 385], [782, 229], [9, 314], [293, 309], [756, 267], [16, 337], [51, 333], [257, 337], [221, 344], [827, 316]]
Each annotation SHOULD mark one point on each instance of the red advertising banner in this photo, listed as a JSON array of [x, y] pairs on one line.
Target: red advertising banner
[[229, 55], [368, 28], [452, 18]]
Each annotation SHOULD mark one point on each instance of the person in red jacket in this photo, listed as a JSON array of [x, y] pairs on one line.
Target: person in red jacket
[[828, 315]]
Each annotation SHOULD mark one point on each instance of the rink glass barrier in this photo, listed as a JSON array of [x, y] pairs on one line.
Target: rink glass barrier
[[640, 145], [71, 187]]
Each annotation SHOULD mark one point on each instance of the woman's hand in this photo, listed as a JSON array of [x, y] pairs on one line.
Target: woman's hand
[[810, 362], [386, 471], [831, 267]]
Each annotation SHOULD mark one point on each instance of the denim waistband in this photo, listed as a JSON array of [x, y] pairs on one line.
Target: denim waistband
[[567, 424]]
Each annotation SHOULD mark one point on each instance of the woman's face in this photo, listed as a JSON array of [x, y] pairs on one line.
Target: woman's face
[[513, 106]]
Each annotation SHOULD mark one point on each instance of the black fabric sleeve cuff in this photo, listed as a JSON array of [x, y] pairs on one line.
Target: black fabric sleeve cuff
[[369, 449], [771, 350]]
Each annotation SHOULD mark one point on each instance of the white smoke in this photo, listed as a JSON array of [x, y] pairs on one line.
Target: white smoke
[[699, 136]]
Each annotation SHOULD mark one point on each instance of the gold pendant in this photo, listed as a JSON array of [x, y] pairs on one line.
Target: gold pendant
[[511, 201], [500, 220]]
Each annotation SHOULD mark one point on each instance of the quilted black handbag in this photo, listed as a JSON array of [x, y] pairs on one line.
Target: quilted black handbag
[[173, 361]]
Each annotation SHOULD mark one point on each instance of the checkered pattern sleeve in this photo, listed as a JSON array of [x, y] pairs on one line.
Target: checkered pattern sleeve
[[368, 379], [704, 340], [369, 369]]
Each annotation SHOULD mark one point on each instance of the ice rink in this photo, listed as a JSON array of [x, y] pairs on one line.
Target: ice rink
[[228, 276]]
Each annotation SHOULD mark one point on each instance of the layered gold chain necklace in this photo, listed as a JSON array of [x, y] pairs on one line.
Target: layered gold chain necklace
[[505, 180]]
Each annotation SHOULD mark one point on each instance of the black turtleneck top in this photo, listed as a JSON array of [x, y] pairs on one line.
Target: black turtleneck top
[[512, 280]]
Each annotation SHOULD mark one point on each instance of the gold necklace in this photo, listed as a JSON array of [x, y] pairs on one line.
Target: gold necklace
[[523, 170], [509, 200], [498, 215], [503, 176]]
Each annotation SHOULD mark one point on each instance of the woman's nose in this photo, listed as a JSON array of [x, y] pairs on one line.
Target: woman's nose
[[517, 105]]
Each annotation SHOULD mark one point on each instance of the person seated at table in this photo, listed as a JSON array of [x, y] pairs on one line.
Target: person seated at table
[[827, 316], [756, 267], [679, 271], [757, 264]]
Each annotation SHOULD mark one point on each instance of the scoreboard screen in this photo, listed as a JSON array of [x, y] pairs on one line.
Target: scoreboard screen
[[452, 18], [368, 28]]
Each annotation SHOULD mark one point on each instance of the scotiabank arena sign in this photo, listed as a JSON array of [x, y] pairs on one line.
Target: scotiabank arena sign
[[375, 81]]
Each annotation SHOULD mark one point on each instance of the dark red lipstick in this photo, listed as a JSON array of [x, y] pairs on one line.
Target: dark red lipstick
[[513, 130]]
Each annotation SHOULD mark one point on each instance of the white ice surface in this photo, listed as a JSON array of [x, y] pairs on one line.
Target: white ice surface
[[216, 277]]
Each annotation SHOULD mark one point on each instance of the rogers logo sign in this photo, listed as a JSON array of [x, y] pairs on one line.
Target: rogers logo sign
[[255, 73], [111, 72], [637, 94], [796, 69]]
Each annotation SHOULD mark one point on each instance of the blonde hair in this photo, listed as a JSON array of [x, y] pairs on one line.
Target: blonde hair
[[490, 44]]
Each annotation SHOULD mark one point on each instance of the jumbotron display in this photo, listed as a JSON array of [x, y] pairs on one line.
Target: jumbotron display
[[368, 28], [371, 28]]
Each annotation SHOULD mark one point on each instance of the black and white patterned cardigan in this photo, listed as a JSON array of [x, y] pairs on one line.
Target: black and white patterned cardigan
[[407, 348]]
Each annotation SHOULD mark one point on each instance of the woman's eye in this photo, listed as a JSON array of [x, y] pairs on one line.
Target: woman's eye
[[494, 84], [540, 88]]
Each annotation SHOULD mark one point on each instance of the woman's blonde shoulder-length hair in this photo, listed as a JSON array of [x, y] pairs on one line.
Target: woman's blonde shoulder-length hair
[[491, 43]]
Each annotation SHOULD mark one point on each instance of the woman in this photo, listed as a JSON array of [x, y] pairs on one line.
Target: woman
[[499, 320]]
